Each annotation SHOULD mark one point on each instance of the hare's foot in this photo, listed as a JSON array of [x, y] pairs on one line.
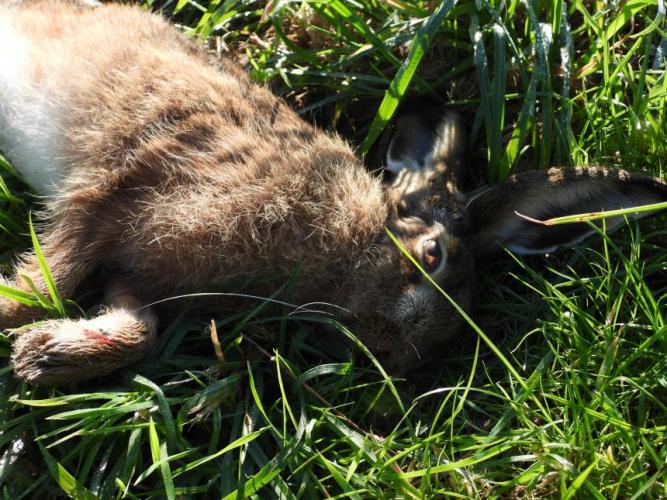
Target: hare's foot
[[59, 352]]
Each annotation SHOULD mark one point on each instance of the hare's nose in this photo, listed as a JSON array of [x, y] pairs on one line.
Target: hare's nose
[[431, 254]]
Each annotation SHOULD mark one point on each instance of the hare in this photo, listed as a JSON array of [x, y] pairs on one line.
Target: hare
[[176, 177]]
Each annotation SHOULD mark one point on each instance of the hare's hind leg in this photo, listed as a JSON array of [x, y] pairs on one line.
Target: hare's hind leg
[[70, 255], [59, 352]]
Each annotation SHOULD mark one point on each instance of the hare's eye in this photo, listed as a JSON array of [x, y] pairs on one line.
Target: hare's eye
[[431, 255], [402, 209]]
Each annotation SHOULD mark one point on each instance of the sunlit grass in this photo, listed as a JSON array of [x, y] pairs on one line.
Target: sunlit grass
[[563, 395]]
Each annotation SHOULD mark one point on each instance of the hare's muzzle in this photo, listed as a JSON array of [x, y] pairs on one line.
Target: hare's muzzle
[[382, 336]]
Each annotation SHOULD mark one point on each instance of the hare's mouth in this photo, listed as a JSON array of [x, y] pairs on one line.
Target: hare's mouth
[[387, 341]]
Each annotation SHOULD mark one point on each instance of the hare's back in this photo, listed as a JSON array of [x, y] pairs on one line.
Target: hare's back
[[59, 64]]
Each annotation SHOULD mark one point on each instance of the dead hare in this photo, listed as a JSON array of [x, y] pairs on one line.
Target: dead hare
[[176, 177]]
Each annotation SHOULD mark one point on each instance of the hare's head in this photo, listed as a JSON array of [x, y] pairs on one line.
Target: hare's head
[[396, 311]]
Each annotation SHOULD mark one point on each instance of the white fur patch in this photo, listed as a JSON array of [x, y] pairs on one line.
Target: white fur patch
[[30, 128]]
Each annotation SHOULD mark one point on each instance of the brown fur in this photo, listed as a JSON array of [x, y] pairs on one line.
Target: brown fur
[[188, 159]]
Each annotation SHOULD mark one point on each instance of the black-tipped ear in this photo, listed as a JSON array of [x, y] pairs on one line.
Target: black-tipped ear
[[428, 140], [412, 144], [544, 195]]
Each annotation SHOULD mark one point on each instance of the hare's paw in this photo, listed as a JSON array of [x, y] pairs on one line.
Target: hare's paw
[[59, 352]]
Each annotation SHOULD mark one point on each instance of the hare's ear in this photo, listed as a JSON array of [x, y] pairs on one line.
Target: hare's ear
[[411, 145], [425, 141], [495, 223]]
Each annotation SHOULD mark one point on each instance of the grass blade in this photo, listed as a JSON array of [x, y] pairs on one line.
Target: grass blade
[[63, 478], [159, 455], [46, 273], [403, 77]]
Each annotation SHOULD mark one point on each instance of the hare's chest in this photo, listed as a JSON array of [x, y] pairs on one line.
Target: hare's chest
[[31, 130]]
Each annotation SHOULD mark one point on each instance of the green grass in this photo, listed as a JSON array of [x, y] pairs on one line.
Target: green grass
[[563, 395]]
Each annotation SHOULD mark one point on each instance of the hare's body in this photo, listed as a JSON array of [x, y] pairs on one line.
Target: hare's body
[[176, 177], [210, 176]]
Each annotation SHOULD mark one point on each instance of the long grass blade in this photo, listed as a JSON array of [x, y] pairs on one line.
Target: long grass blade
[[403, 77], [46, 273]]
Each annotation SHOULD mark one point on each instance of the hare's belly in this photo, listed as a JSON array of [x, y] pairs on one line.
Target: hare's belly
[[30, 121]]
